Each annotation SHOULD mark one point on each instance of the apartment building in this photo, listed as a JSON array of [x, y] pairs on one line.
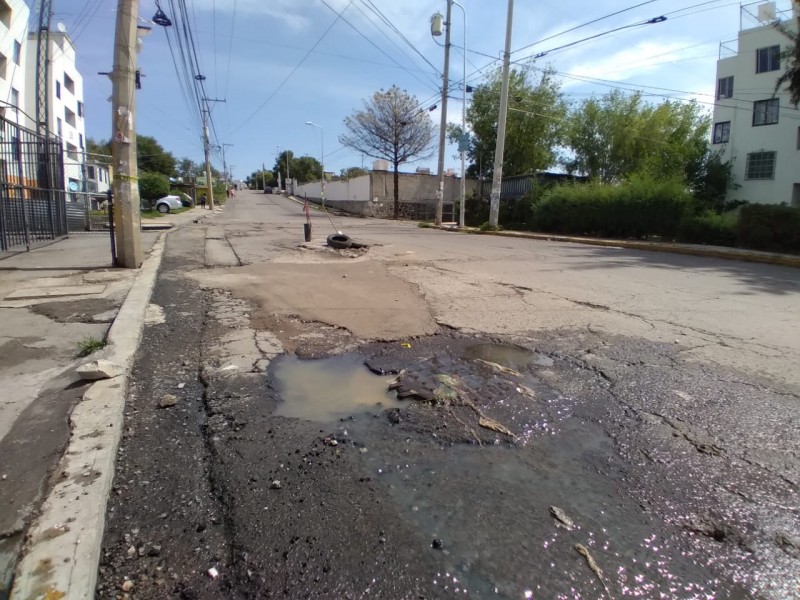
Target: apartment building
[[66, 108], [13, 33], [755, 126]]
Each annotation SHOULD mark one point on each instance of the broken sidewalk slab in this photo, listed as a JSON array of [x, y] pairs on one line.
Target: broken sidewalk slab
[[99, 369], [56, 291]]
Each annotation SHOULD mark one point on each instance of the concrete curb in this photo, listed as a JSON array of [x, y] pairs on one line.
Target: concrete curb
[[64, 543], [784, 260]]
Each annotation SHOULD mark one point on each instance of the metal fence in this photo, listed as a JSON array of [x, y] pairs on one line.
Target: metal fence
[[87, 178], [32, 207]]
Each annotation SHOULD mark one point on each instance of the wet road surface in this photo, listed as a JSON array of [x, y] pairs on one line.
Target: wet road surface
[[565, 463]]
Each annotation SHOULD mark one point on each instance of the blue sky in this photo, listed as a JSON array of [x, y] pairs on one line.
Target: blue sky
[[250, 50]]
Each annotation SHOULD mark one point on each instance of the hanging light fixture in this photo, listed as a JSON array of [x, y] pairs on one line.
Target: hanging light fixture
[[160, 18]]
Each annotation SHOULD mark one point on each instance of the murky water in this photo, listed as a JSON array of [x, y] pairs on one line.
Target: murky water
[[512, 357], [329, 389], [490, 507]]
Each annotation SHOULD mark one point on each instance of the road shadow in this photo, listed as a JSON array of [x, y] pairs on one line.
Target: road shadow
[[759, 278]]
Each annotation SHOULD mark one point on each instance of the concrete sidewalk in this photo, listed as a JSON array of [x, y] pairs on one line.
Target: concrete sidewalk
[[52, 299]]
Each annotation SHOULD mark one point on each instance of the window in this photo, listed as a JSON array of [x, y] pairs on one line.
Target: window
[[58, 127], [90, 172], [760, 165], [5, 13], [15, 98], [80, 140], [722, 132], [17, 52], [768, 59], [725, 87], [69, 84], [765, 112], [80, 109], [69, 117], [58, 89], [3, 65]]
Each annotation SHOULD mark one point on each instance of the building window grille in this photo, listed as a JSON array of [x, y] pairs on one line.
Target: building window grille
[[760, 165], [725, 87], [722, 132], [768, 59], [765, 112]]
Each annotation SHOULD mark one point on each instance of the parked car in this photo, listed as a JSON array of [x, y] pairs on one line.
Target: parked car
[[267, 190], [168, 203]]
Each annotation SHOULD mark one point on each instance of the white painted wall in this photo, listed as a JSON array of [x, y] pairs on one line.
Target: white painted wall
[[13, 29], [782, 137], [62, 109]]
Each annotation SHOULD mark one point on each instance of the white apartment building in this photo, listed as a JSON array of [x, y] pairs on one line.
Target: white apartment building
[[66, 108], [757, 128], [13, 33]]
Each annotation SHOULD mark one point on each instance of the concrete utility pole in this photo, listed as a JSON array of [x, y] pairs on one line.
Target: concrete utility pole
[[225, 171], [497, 180], [123, 141], [207, 148], [443, 123], [463, 143]]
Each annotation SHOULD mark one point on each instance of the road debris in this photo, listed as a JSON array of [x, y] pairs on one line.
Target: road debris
[[213, 573], [584, 551], [499, 368], [562, 519], [168, 400], [276, 485], [99, 369], [488, 423]]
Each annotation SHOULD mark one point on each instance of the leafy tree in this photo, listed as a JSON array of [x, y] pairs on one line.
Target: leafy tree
[[352, 173], [153, 186], [188, 169], [280, 166], [616, 136], [152, 158], [534, 127], [791, 75], [305, 169], [257, 179], [390, 126], [99, 151]]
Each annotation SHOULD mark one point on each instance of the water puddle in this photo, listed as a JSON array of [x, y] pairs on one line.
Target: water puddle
[[489, 511], [329, 389], [512, 357]]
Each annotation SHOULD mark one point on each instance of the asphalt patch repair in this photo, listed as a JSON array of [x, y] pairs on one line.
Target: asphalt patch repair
[[572, 468]]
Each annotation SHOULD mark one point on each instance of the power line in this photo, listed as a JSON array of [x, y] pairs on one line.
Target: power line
[[295, 69]]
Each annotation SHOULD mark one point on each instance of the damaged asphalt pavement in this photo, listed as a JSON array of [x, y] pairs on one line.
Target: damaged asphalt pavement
[[442, 415]]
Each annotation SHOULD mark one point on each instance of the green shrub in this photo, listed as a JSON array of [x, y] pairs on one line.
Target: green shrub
[[88, 345], [476, 210], [709, 228], [152, 186], [769, 227], [639, 208]]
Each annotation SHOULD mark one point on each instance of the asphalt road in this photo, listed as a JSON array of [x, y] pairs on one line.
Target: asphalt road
[[566, 421]]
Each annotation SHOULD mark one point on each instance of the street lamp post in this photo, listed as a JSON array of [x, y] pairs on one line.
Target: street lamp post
[[462, 143], [322, 157]]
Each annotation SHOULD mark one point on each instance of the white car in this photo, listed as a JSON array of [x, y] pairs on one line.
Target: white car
[[167, 203]]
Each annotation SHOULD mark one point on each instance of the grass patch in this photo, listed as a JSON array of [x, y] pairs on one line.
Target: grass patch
[[90, 344], [425, 225], [154, 214], [486, 227]]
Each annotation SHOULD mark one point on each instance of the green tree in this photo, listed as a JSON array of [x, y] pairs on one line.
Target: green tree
[[390, 126], [305, 169], [281, 166], [618, 135], [152, 158], [153, 186], [98, 151], [352, 172], [258, 179], [534, 127], [188, 169]]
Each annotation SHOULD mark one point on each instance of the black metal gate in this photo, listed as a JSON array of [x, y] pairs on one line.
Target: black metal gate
[[32, 194]]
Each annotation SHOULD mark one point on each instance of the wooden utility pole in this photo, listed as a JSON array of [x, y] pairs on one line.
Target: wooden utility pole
[[443, 123], [123, 138]]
